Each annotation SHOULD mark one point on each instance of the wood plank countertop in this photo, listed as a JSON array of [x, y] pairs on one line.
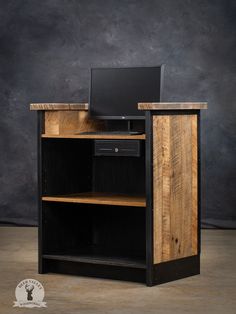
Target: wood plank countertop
[[172, 105], [59, 106], [141, 106]]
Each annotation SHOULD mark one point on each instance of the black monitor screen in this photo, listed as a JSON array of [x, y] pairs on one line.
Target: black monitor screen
[[115, 92]]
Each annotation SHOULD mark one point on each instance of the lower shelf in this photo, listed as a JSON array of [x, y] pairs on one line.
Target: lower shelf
[[98, 259], [99, 198]]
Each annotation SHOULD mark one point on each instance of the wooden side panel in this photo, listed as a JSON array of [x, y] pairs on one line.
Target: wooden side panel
[[86, 124], [51, 122], [66, 122], [174, 187]]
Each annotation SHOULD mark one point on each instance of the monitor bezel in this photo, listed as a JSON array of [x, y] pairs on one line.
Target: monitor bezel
[[141, 117]]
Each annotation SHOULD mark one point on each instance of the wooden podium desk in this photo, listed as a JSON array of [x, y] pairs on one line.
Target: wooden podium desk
[[120, 217]]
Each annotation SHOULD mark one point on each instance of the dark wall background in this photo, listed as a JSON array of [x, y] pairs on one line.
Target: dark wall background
[[47, 48]]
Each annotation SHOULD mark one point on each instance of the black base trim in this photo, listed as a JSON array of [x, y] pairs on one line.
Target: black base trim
[[101, 271], [176, 269]]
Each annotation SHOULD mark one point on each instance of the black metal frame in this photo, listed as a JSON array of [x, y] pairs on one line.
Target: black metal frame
[[40, 124], [59, 266], [154, 273], [149, 199]]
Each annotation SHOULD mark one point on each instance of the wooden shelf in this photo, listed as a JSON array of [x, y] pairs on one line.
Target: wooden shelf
[[100, 136], [98, 259], [99, 198]]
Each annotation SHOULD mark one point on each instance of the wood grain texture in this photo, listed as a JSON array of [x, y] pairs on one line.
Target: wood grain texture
[[175, 187], [172, 106], [64, 122], [194, 186], [59, 106], [99, 198], [97, 136], [51, 122], [87, 124]]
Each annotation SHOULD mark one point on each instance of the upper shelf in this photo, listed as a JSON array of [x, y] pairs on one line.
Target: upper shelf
[[97, 136], [172, 105]]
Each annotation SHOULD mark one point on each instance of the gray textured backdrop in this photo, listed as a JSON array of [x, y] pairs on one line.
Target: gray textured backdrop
[[47, 48]]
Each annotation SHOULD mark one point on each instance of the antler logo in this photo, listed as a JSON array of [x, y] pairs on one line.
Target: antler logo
[[29, 293], [29, 289]]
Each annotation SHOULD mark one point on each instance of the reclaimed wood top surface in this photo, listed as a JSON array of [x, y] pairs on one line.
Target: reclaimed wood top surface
[[141, 106], [59, 106], [172, 105]]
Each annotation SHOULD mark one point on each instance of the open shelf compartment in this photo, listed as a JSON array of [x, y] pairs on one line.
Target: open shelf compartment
[[73, 174], [94, 234]]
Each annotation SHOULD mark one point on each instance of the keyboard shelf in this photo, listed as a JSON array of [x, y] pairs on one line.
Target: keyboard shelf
[[93, 136]]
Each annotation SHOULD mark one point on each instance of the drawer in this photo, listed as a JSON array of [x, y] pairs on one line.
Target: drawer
[[117, 148]]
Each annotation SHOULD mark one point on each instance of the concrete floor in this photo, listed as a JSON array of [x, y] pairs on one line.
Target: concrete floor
[[214, 291]]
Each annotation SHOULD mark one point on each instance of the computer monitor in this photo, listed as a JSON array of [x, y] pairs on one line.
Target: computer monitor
[[115, 92]]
